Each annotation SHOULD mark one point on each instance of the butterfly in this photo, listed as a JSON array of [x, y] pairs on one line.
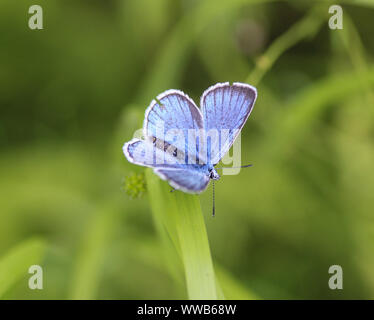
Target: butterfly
[[184, 143]]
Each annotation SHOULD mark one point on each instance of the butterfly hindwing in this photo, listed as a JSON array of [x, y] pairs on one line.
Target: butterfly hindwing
[[180, 176], [226, 108], [191, 181], [144, 153]]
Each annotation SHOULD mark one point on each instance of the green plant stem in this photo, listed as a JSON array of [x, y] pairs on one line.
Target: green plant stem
[[356, 51], [301, 30]]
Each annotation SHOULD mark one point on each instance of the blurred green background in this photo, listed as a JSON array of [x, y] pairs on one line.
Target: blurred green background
[[73, 93]]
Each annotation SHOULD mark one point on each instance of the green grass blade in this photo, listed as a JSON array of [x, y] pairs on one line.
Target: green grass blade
[[194, 247], [296, 118], [15, 264], [91, 255], [182, 217], [306, 107]]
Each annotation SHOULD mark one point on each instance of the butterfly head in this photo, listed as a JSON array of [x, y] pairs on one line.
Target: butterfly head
[[213, 174]]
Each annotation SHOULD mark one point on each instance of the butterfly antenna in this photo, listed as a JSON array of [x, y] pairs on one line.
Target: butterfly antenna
[[214, 203], [246, 166]]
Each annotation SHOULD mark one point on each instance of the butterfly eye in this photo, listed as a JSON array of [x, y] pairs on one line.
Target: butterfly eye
[[213, 174]]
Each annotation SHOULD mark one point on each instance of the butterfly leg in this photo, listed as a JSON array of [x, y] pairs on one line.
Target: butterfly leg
[[172, 189]]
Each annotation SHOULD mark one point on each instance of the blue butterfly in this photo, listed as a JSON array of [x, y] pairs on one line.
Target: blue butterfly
[[183, 143]]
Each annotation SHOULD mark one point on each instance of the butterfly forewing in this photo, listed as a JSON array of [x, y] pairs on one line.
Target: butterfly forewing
[[173, 122], [225, 109]]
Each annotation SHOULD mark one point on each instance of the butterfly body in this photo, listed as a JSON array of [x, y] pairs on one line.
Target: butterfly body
[[182, 142]]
